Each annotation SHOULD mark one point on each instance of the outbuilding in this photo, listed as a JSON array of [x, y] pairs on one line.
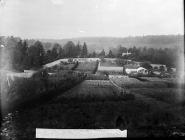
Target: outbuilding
[[130, 69]]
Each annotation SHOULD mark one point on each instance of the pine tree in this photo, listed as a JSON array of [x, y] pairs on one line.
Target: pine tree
[[78, 49], [102, 53], [84, 50], [110, 54]]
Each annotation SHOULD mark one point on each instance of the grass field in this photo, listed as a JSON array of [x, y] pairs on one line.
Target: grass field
[[91, 90], [93, 104], [168, 95], [153, 82]]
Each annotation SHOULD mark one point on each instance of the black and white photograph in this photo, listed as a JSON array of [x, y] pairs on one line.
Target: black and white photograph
[[92, 69]]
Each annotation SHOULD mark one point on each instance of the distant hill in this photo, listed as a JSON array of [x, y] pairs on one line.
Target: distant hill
[[99, 43], [106, 43]]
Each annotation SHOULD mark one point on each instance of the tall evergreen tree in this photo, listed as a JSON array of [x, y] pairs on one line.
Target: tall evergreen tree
[[110, 54], [84, 50], [102, 53], [94, 54], [69, 49], [36, 54], [55, 51], [78, 48], [61, 53]]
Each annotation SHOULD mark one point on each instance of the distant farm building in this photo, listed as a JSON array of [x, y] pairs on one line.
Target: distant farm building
[[135, 69], [126, 54]]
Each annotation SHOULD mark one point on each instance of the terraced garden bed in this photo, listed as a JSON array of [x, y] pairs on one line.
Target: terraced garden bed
[[128, 82], [87, 67]]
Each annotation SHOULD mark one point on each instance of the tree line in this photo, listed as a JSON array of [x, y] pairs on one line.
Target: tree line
[[166, 56], [24, 56]]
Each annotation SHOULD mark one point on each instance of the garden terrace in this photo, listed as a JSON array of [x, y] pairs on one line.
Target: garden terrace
[[87, 67], [38, 89]]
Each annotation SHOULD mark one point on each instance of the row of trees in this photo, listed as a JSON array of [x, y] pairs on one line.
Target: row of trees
[[24, 56], [69, 50], [72, 50], [167, 56]]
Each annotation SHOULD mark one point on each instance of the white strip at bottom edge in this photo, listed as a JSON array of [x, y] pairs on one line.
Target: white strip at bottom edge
[[80, 133]]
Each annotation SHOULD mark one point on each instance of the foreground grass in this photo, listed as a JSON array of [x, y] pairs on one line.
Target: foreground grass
[[139, 118], [86, 106]]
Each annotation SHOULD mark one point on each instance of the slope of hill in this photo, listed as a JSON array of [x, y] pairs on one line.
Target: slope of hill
[[99, 43]]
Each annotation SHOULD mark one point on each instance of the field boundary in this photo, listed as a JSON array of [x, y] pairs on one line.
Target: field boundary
[[118, 88]]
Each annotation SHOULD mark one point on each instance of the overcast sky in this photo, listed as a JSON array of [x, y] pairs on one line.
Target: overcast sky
[[81, 18]]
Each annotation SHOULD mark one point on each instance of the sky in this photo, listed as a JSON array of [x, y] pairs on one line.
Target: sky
[[57, 19]]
